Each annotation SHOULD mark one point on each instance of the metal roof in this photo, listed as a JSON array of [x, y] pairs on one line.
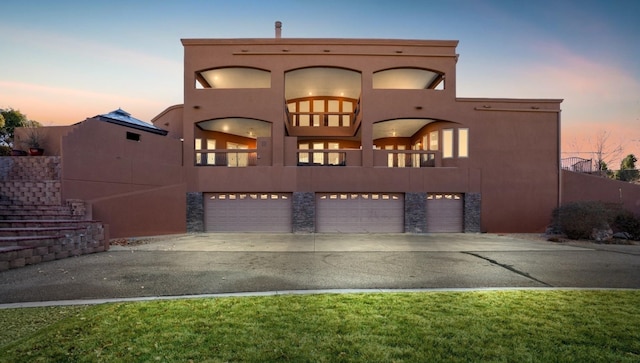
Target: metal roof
[[123, 118]]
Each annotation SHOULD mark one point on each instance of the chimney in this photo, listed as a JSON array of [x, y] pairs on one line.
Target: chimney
[[278, 29]]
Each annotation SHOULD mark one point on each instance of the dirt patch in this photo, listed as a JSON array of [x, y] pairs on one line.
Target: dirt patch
[[137, 241], [527, 236]]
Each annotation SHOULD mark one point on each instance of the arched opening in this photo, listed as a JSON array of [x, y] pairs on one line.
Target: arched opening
[[322, 101], [408, 78], [422, 142], [231, 141], [233, 77]]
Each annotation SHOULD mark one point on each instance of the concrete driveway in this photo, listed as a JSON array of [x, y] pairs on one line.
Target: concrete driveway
[[235, 263]]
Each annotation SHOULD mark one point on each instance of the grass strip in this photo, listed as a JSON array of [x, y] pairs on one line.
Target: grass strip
[[534, 326]]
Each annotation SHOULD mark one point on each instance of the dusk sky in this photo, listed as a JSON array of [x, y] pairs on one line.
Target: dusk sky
[[63, 61]]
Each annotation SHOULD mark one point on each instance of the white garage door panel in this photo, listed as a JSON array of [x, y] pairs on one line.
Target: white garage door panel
[[445, 213], [248, 212], [360, 213]]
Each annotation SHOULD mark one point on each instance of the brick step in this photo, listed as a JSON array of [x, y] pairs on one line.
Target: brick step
[[23, 207], [18, 205], [18, 256], [35, 212], [7, 249], [40, 231], [34, 223], [29, 210], [12, 248], [28, 241], [37, 217]]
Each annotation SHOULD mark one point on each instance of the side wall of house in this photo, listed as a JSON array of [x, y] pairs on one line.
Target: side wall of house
[[582, 187], [134, 186], [170, 120], [514, 146]]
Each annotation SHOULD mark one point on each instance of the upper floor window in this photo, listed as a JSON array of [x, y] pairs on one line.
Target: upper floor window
[[463, 143], [447, 143], [433, 140], [408, 78], [233, 77]]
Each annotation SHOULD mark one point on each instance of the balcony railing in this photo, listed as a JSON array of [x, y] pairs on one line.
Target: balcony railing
[[407, 158], [322, 157], [227, 157]]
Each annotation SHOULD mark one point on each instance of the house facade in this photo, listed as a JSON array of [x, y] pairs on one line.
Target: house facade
[[356, 135]]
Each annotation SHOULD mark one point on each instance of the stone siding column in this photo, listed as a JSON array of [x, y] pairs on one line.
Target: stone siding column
[[304, 212], [415, 212], [195, 212], [472, 212]]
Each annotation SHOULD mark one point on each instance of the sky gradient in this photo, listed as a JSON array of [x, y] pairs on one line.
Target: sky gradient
[[64, 61]]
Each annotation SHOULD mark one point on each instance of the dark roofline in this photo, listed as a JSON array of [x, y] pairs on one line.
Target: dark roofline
[[123, 118], [133, 126]]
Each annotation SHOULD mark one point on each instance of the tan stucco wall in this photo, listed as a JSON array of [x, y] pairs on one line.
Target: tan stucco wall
[[170, 120], [137, 187], [582, 187]]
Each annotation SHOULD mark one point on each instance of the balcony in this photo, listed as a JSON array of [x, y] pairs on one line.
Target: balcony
[[382, 158], [227, 157], [407, 158], [329, 157], [321, 123], [322, 116], [320, 157]]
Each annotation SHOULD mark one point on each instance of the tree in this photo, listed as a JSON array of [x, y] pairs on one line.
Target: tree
[[628, 171], [604, 170], [12, 119], [604, 152]]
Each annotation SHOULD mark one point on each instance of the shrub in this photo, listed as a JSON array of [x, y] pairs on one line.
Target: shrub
[[625, 221], [5, 150], [578, 219]]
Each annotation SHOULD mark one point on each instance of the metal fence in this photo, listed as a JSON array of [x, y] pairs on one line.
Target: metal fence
[[578, 164]]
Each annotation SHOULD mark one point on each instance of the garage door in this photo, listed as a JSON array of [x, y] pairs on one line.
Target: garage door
[[444, 212], [360, 212], [248, 212]]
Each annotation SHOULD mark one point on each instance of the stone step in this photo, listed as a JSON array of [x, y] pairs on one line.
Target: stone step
[[35, 223], [19, 256], [43, 216], [4, 249], [36, 212], [22, 207], [28, 241], [40, 231]]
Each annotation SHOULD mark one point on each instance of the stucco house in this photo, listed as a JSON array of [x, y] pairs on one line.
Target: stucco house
[[322, 135], [357, 135]]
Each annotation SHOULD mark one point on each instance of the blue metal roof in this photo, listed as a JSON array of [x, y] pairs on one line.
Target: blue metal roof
[[121, 117]]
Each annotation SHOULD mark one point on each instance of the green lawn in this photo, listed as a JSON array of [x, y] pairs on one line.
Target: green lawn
[[514, 326]]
